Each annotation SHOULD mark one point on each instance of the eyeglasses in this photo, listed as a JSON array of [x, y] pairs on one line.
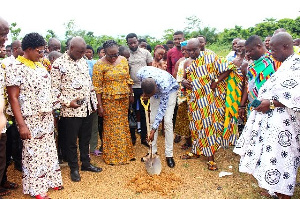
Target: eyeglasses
[[113, 55], [40, 51]]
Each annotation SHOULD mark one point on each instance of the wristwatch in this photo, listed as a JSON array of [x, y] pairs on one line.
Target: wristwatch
[[272, 106], [216, 80]]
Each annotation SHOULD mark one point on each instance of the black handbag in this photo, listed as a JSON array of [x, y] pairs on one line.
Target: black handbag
[[132, 118]]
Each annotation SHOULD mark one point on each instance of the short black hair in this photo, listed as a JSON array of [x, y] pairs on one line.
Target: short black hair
[[8, 46], [91, 48], [166, 47], [109, 43], [99, 49], [142, 40], [122, 49], [148, 85], [131, 35], [253, 41], [32, 40], [68, 41], [169, 42], [178, 33], [149, 48]]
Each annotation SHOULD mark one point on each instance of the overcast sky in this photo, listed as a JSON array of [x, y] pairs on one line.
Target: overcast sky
[[120, 17]]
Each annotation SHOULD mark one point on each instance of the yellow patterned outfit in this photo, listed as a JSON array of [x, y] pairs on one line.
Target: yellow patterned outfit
[[206, 107], [112, 81], [182, 120]]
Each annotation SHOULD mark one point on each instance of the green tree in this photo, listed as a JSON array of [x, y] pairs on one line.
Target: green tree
[[50, 34], [14, 31], [168, 35]]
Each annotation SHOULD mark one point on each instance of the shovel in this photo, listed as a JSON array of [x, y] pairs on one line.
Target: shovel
[[152, 162]]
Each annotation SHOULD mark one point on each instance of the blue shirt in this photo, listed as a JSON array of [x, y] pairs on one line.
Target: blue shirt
[[165, 83], [91, 66], [231, 56]]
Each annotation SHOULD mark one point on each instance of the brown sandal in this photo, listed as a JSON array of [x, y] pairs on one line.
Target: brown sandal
[[212, 166], [189, 155], [9, 185], [185, 146]]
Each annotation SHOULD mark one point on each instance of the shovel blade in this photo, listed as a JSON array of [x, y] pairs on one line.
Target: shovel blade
[[153, 165]]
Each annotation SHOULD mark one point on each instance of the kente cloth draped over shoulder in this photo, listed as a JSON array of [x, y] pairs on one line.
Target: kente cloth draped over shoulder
[[206, 108], [258, 73], [232, 102], [270, 143]]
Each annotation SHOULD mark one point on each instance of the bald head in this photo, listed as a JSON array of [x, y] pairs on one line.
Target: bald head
[[54, 45], [77, 41], [240, 47], [279, 30], [281, 45], [296, 42], [193, 48], [16, 44], [16, 47], [77, 48], [53, 56], [4, 30]]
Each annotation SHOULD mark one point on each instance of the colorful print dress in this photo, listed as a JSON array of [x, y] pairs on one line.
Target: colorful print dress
[[39, 157], [270, 143], [112, 82]]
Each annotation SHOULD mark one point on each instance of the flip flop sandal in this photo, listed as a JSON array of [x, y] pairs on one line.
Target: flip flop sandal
[[97, 153], [189, 155], [9, 185], [212, 166]]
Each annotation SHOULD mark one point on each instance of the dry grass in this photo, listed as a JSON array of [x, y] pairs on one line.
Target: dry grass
[[189, 179]]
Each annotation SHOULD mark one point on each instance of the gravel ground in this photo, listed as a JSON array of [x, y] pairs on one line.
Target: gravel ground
[[189, 179]]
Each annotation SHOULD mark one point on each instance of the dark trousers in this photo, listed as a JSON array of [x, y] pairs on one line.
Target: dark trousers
[[61, 145], [81, 128], [13, 149], [137, 94], [2, 154], [100, 129]]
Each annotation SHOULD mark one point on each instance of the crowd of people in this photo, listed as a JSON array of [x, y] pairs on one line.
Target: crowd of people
[[51, 103]]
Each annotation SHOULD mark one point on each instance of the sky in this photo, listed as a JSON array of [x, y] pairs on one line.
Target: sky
[[120, 17]]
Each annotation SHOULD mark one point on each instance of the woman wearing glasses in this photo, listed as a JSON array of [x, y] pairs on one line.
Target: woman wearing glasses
[[113, 87], [29, 92]]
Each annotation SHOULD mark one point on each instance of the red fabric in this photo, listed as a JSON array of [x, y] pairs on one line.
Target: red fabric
[[172, 57]]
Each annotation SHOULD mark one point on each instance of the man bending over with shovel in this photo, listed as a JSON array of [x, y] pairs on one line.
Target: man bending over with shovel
[[161, 88]]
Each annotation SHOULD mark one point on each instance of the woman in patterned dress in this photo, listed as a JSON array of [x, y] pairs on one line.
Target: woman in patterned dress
[[29, 91], [113, 87]]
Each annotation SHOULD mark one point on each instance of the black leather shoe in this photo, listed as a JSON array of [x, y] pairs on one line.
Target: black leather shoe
[[18, 167], [91, 168], [75, 177], [170, 162], [145, 143]]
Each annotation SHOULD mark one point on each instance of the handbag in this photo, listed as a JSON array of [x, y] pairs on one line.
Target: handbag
[[132, 118]]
